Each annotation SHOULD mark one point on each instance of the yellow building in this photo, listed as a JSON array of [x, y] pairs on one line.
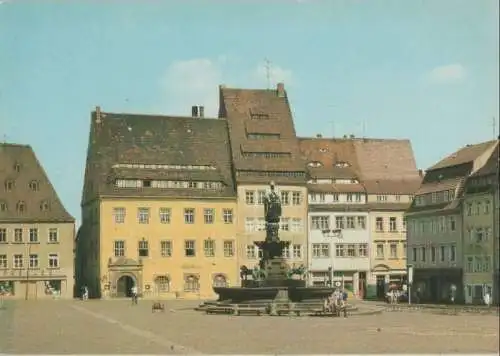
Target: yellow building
[[265, 148], [159, 207]]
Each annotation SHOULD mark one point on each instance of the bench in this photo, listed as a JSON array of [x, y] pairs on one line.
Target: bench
[[239, 309], [157, 306]]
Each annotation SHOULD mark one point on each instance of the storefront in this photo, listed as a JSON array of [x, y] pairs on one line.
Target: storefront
[[438, 285]]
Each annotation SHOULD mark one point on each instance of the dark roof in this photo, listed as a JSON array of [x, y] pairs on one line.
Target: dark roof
[[264, 112], [23, 179], [157, 140], [466, 154]]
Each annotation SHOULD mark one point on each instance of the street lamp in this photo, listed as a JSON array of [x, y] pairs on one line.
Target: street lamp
[[28, 259], [332, 234]]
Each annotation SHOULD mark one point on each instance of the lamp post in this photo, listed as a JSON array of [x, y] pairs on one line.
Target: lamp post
[[332, 234], [28, 259]]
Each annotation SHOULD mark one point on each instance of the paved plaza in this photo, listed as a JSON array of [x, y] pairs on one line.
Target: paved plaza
[[97, 327]]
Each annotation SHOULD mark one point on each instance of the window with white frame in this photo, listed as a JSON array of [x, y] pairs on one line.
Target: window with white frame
[[358, 197], [316, 250], [414, 254], [351, 250], [380, 251], [17, 261], [53, 260], [433, 254], [33, 261], [320, 222], [393, 250], [340, 250], [285, 198], [33, 235], [487, 233], [349, 197], [469, 266], [363, 250], [3, 235], [261, 197], [250, 252], [228, 248], [4, 263], [190, 248], [209, 248], [189, 216], [165, 215], [260, 224], [143, 215], [249, 224], [166, 248], [119, 248], [361, 222], [339, 222], [423, 252], [296, 198], [227, 215], [286, 252], [452, 223], [312, 198], [469, 209], [297, 225], [393, 226], [479, 234], [379, 224], [442, 253], [143, 248], [453, 253], [487, 207], [297, 251], [208, 215], [191, 283], [325, 250], [350, 222], [119, 215], [335, 197], [285, 224], [381, 198], [479, 209], [250, 197], [322, 197], [53, 235]]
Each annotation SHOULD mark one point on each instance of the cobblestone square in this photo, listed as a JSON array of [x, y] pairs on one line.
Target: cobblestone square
[[118, 327]]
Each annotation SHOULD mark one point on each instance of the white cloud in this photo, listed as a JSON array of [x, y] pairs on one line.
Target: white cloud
[[446, 74], [277, 74], [193, 82]]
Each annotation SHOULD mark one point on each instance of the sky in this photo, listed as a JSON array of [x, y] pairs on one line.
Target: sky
[[425, 70]]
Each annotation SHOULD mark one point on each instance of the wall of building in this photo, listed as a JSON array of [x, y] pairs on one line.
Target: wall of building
[[251, 223], [44, 277], [203, 266]]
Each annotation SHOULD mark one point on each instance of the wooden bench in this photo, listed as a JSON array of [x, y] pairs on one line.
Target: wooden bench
[[239, 309], [217, 309], [157, 306]]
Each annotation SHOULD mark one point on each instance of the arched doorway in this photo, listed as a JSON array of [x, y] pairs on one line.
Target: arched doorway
[[124, 286], [220, 281]]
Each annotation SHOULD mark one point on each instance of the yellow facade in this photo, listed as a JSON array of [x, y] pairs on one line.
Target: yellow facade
[[388, 239], [251, 223], [185, 258]]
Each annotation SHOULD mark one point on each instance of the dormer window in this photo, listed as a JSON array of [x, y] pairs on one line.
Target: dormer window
[[3, 206], [323, 150], [342, 164], [315, 164], [17, 167], [44, 205], [21, 207], [34, 186], [9, 185]]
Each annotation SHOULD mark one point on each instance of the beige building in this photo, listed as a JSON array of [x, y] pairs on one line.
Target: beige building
[[265, 148], [390, 176], [36, 231], [480, 223], [159, 207], [436, 225]]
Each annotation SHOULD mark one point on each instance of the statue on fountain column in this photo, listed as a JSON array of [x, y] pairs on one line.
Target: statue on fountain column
[[272, 213]]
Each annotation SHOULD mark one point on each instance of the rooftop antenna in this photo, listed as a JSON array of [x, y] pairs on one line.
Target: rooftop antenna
[[267, 65]]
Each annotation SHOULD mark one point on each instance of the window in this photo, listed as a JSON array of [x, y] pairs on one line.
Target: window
[[486, 264], [433, 254], [423, 254], [335, 197], [361, 222], [478, 208], [350, 222], [249, 224], [349, 197], [165, 215], [487, 207], [414, 254], [250, 252], [220, 281], [442, 253], [166, 248], [351, 250], [404, 250], [379, 224], [339, 222], [286, 252], [339, 250], [358, 197], [53, 260], [162, 284], [452, 223], [453, 253], [21, 207], [3, 236], [487, 233], [191, 283], [321, 250], [446, 195], [297, 251], [261, 197], [209, 216], [479, 234], [285, 198], [209, 248], [33, 261], [393, 227], [188, 216], [227, 215], [143, 215], [312, 197], [143, 248], [469, 209], [34, 186], [297, 225], [393, 247], [18, 235], [33, 235], [469, 267], [380, 251], [320, 222], [479, 264], [3, 261], [403, 221], [3, 206], [325, 250], [9, 185], [250, 197], [44, 205], [260, 224], [18, 261], [296, 198], [119, 248], [189, 248], [363, 250], [285, 224], [228, 248], [381, 198]]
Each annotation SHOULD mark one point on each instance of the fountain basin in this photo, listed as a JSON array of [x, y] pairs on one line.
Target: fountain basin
[[270, 293]]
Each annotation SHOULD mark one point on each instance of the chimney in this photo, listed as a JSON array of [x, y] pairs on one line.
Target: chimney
[[280, 88], [194, 111], [201, 112], [319, 136], [98, 114]]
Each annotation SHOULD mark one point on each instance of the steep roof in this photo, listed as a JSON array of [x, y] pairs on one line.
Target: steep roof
[[262, 135], [492, 164], [464, 155], [153, 147], [27, 194]]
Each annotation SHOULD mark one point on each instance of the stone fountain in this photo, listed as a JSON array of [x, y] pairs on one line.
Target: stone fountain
[[272, 280]]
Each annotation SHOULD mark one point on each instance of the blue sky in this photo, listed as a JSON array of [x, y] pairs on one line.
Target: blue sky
[[421, 69]]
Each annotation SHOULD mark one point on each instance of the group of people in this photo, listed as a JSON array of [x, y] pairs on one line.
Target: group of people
[[336, 303]]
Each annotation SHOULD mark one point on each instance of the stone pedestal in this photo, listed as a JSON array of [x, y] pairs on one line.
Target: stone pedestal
[[276, 272]]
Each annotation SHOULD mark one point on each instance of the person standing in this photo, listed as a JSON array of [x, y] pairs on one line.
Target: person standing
[[133, 291], [487, 299]]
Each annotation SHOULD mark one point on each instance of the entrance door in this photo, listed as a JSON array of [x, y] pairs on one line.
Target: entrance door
[[124, 287], [380, 287]]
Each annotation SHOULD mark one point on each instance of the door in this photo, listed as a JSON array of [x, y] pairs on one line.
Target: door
[[478, 294], [380, 287]]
